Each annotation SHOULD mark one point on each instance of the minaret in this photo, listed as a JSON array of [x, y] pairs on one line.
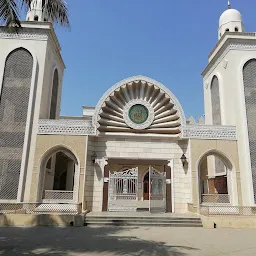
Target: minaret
[[230, 95], [31, 71], [36, 12], [230, 21]]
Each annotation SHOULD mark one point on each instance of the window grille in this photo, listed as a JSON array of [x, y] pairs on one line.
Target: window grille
[[14, 101], [54, 97], [249, 76], [216, 117], [215, 98]]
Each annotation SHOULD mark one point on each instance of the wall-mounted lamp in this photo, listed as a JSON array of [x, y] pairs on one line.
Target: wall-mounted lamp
[[183, 160], [93, 157]]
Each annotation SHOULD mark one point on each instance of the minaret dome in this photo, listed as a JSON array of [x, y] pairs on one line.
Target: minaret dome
[[36, 11], [230, 20]]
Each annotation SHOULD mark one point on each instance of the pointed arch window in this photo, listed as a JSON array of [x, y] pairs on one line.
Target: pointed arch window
[[54, 97], [249, 78], [215, 101], [216, 116], [14, 102]]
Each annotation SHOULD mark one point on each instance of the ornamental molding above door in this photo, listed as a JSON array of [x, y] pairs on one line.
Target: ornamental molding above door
[[160, 109]]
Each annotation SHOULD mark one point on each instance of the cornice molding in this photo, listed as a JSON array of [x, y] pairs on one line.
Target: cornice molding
[[38, 34], [230, 44], [26, 34]]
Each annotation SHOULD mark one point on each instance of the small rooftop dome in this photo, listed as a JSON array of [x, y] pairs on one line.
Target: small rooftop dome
[[230, 21], [230, 15]]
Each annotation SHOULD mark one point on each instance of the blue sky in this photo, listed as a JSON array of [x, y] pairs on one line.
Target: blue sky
[[167, 40]]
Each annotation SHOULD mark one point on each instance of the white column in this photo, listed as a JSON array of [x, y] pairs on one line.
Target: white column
[[53, 163], [102, 163], [171, 165]]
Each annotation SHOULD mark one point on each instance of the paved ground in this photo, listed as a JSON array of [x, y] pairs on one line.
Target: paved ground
[[132, 241]]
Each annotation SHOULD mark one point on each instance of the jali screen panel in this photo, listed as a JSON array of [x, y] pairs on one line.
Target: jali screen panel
[[14, 99], [249, 75]]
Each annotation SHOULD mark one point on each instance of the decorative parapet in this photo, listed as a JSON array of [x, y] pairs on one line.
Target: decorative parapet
[[210, 132], [66, 127], [85, 127]]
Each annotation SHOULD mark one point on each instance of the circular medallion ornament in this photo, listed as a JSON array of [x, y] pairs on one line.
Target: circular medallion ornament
[[138, 114]]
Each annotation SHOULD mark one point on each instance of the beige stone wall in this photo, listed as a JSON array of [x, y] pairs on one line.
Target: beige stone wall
[[184, 188], [228, 148], [46, 143], [29, 220], [137, 148], [229, 222]]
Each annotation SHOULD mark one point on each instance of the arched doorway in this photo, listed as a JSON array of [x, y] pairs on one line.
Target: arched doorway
[[146, 187], [215, 179], [58, 176]]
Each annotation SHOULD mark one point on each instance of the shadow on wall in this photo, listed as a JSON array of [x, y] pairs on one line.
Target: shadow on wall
[[83, 240]]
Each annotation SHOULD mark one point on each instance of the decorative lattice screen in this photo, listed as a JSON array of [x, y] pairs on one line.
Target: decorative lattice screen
[[249, 74], [219, 166], [14, 101], [215, 98], [54, 98], [216, 117]]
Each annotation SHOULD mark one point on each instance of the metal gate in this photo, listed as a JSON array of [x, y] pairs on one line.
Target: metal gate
[[123, 190], [157, 191]]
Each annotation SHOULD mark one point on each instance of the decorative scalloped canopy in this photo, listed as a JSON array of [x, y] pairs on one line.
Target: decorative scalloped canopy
[[165, 115]]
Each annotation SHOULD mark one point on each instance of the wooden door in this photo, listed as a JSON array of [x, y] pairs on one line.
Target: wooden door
[[146, 190]]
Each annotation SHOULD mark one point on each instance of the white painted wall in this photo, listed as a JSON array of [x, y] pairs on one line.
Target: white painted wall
[[52, 62], [233, 109]]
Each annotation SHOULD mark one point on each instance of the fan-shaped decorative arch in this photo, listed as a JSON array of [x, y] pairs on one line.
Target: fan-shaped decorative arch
[[162, 111]]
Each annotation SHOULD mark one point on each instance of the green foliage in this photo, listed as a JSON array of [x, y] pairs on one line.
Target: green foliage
[[10, 11]]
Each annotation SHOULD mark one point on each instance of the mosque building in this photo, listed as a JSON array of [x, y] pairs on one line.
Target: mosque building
[[135, 150]]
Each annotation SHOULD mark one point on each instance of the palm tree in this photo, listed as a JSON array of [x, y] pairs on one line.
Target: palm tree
[[10, 11]]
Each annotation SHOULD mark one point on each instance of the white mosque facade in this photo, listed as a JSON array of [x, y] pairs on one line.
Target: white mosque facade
[[135, 150]]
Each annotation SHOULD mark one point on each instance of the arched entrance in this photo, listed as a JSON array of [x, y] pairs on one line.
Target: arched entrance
[[58, 180], [215, 179]]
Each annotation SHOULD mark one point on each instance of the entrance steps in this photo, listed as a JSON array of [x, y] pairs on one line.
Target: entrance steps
[[142, 219]]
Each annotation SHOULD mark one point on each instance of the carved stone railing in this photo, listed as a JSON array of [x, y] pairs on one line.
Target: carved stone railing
[[215, 199], [227, 210], [66, 127], [58, 196], [40, 208], [209, 132]]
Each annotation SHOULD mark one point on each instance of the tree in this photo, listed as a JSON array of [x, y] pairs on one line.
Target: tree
[[10, 11]]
